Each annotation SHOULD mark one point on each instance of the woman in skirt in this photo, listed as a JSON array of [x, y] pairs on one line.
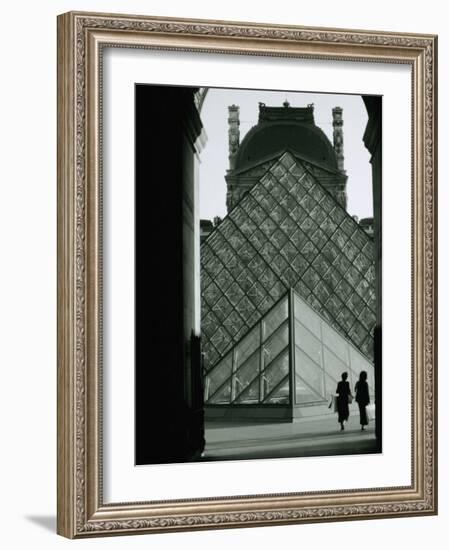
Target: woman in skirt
[[362, 397], [343, 398]]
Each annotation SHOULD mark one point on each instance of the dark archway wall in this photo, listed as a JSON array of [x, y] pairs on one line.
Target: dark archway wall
[[373, 142], [169, 398]]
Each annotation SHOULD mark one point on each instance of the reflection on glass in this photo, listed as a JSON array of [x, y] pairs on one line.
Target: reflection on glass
[[275, 344], [223, 396], [275, 317], [335, 342], [333, 365], [281, 394], [248, 345], [257, 365], [307, 317], [305, 340], [310, 372], [304, 393], [274, 373], [330, 385], [246, 373], [219, 374], [250, 394]]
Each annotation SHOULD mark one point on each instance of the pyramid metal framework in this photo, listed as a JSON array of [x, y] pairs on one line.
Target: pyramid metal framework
[[286, 232]]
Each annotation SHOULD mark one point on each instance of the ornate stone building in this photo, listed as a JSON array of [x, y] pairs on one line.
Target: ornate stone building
[[281, 129]]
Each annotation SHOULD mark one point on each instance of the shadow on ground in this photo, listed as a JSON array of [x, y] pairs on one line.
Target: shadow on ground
[[46, 522]]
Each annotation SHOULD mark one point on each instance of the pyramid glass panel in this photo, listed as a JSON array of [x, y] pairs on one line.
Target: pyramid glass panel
[[291, 356], [304, 394], [312, 373], [287, 232], [275, 317], [307, 342], [330, 385], [257, 364], [274, 373], [222, 396], [320, 362], [332, 364], [276, 343], [218, 376], [250, 395], [247, 346], [245, 374], [280, 395]]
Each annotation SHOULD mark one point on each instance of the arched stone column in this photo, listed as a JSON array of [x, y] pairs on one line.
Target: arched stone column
[[372, 139], [169, 396]]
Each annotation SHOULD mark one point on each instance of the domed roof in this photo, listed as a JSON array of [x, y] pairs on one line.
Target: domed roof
[[283, 129]]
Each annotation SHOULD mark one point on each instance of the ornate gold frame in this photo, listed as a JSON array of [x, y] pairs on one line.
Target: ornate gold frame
[[81, 511]]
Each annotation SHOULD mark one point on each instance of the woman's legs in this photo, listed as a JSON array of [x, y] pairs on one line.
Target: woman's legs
[[343, 415], [363, 417]]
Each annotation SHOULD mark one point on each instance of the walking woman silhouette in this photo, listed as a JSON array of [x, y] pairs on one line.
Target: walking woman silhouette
[[362, 397], [344, 394]]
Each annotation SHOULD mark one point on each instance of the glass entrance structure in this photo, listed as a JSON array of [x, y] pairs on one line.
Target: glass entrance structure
[[287, 365]]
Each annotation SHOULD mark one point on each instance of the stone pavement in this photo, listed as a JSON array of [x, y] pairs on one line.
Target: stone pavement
[[317, 436]]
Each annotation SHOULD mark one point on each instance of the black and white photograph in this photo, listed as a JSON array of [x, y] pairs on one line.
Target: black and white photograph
[[258, 274], [223, 236]]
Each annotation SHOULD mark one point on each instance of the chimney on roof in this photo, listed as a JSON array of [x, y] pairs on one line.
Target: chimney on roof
[[337, 123], [233, 133]]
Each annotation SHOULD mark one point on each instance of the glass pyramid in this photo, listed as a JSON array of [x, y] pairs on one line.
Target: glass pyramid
[[291, 356], [286, 232]]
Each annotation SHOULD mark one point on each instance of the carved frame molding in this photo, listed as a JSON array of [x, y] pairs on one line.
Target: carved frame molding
[[81, 37]]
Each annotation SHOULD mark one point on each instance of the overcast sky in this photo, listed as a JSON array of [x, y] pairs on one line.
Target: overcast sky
[[214, 157]]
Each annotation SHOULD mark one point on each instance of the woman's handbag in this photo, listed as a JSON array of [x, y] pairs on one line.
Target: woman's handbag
[[333, 403], [350, 398], [370, 412]]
